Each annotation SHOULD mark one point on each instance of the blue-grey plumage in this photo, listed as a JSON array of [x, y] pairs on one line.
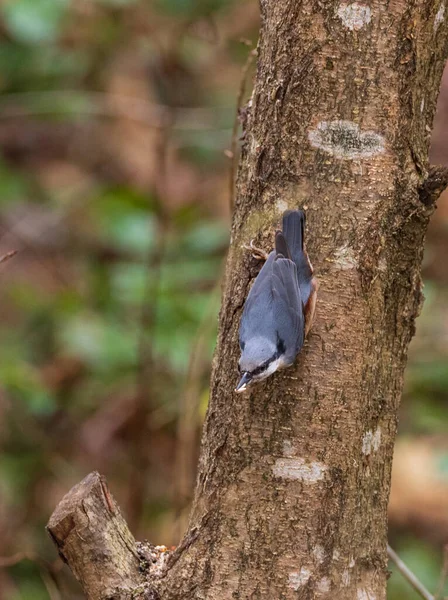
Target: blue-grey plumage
[[294, 230], [279, 308]]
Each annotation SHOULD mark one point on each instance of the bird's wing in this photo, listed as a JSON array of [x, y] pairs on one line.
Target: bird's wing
[[288, 314], [258, 305]]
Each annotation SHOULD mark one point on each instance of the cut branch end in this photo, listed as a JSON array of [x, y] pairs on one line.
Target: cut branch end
[[93, 538]]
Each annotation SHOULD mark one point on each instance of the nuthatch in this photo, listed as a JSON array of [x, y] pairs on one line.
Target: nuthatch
[[279, 309]]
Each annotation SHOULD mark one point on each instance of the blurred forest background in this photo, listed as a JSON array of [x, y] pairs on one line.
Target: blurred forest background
[[116, 121]]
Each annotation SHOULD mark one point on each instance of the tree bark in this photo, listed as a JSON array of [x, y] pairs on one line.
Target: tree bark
[[93, 538], [293, 484]]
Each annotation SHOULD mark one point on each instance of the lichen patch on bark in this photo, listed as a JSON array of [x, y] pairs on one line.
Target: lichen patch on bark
[[345, 258], [439, 16], [319, 554], [323, 585], [344, 139], [365, 594], [371, 441], [298, 579], [289, 449], [281, 206], [297, 468], [354, 16]]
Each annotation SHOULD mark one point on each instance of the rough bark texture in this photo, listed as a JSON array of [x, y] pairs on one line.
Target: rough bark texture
[[293, 485], [93, 538]]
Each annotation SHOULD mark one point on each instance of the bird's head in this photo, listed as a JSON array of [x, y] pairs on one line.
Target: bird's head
[[260, 357]]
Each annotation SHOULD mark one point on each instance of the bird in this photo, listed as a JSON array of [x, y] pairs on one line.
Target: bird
[[279, 310]]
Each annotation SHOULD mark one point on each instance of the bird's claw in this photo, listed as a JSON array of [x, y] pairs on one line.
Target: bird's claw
[[257, 253]]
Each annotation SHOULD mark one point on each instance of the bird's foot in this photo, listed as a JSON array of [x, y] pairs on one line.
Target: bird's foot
[[257, 253]]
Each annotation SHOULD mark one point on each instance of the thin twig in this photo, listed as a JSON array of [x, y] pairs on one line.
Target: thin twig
[[188, 419], [101, 104], [146, 360], [7, 256], [45, 570], [443, 575], [10, 561], [408, 574], [51, 585], [234, 141]]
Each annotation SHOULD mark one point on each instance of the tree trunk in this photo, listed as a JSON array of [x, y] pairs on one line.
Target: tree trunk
[[293, 485]]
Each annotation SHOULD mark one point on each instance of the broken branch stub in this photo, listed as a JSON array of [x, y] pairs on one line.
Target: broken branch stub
[[94, 540]]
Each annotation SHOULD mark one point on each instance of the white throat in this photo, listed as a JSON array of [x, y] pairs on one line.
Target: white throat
[[274, 366]]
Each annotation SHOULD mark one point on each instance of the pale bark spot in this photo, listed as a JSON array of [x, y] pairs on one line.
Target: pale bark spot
[[345, 258], [344, 139], [297, 580], [371, 441], [422, 105], [319, 554], [382, 264], [289, 449], [439, 16], [346, 577], [351, 564], [365, 594], [336, 554], [297, 469], [323, 586], [281, 206], [254, 145], [354, 16]]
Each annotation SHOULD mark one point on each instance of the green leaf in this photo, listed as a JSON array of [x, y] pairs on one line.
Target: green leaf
[[34, 21], [102, 343], [23, 381], [206, 238], [117, 3], [124, 219], [13, 186], [30, 69], [191, 7], [429, 375], [442, 465]]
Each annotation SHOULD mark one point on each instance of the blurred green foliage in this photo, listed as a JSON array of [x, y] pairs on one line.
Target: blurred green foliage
[[424, 561], [31, 21], [121, 233]]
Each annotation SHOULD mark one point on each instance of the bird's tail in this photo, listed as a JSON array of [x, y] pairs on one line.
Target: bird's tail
[[281, 246], [293, 230]]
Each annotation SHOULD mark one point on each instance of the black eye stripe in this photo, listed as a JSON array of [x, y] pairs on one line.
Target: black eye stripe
[[261, 368]]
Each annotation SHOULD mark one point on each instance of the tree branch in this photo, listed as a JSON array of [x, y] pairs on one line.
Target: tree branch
[[434, 185], [443, 575], [93, 539], [234, 140], [7, 256], [408, 574]]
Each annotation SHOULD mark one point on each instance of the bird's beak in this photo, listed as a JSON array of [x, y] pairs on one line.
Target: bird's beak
[[245, 379]]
